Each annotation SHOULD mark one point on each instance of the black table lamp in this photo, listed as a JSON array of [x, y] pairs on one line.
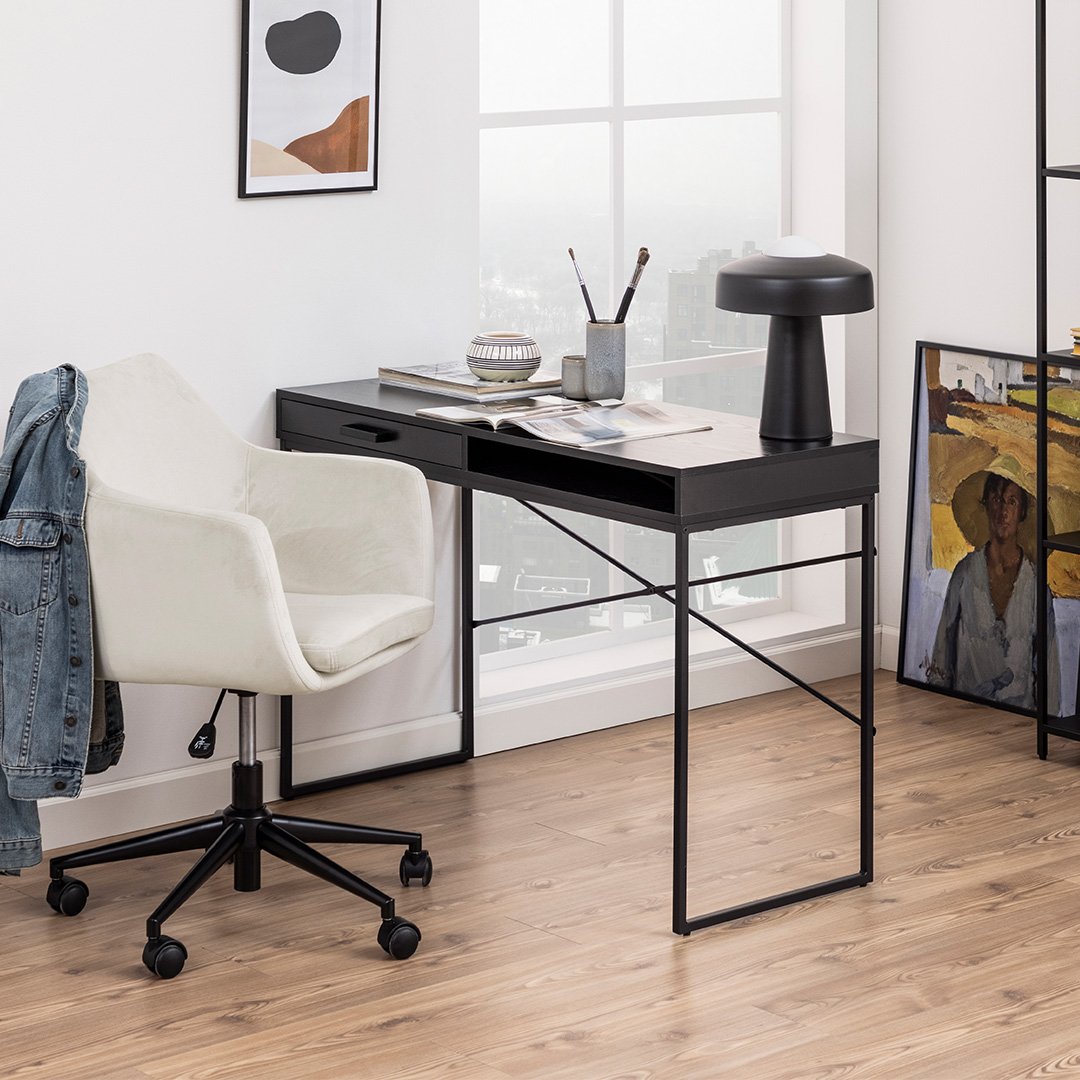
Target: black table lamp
[[795, 282]]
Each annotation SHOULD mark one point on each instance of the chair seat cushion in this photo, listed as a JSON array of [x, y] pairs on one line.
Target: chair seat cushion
[[337, 632]]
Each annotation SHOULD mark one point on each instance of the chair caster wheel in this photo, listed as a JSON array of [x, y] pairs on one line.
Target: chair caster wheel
[[415, 865], [399, 937], [67, 895], [164, 956]]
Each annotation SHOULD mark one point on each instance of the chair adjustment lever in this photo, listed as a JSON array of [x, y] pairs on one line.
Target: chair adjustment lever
[[202, 746]]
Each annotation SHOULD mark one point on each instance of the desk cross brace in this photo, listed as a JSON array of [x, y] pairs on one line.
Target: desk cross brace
[[679, 595], [665, 591]]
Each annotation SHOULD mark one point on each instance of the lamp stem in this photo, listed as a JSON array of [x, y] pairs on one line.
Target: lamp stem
[[795, 403]]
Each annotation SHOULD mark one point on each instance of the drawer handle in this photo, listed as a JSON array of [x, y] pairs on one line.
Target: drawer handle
[[368, 435]]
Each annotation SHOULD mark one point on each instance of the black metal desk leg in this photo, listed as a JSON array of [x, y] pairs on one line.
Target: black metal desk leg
[[866, 699], [285, 741], [682, 730], [290, 789], [468, 632]]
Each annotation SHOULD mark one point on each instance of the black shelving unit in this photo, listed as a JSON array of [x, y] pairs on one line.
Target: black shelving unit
[[1065, 726]]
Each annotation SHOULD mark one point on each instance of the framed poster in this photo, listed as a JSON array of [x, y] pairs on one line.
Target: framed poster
[[309, 97], [969, 604]]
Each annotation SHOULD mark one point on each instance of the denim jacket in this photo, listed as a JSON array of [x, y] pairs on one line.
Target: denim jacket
[[46, 652]]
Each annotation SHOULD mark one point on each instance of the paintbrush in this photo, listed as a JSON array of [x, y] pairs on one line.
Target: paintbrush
[[624, 307], [584, 290]]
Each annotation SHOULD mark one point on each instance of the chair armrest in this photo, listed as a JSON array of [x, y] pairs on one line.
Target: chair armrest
[[188, 596], [342, 524]]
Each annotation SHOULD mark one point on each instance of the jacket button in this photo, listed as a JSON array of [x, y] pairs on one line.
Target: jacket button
[[67, 538], [59, 785], [70, 721], [73, 600], [76, 661], [74, 471]]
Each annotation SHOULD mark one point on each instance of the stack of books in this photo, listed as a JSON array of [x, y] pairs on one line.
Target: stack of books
[[454, 379], [1076, 340]]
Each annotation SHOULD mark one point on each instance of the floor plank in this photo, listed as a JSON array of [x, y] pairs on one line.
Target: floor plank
[[547, 949]]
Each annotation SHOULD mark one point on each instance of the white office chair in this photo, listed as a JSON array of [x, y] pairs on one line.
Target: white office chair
[[217, 563]]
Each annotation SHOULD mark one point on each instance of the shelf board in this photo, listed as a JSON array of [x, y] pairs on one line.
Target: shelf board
[[1061, 358], [1064, 172], [1069, 542], [1068, 727]]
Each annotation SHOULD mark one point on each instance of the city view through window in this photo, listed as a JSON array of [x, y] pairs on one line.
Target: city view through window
[[672, 142]]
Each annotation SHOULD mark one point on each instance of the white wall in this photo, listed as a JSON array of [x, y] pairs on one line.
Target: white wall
[[120, 231], [957, 207], [834, 177], [834, 201]]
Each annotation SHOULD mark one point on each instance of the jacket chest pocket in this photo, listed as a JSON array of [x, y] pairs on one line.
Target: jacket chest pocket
[[29, 563]]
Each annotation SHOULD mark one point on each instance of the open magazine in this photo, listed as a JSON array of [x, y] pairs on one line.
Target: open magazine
[[572, 423]]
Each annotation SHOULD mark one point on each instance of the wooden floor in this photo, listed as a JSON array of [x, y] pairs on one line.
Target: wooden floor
[[547, 950]]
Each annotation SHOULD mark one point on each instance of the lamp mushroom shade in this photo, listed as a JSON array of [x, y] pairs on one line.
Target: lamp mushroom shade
[[796, 282]]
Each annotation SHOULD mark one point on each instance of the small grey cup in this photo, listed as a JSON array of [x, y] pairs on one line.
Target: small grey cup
[[605, 360], [573, 377]]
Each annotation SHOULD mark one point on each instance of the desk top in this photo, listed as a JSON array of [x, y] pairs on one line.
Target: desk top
[[727, 474]]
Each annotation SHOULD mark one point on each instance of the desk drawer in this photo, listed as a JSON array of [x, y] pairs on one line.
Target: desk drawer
[[373, 434]]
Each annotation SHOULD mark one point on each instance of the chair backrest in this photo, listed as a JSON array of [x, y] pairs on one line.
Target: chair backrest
[[147, 432]]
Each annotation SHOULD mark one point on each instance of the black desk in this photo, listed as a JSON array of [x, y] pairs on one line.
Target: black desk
[[679, 484]]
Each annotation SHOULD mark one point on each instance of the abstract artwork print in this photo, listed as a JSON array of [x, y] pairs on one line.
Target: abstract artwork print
[[968, 623], [309, 97]]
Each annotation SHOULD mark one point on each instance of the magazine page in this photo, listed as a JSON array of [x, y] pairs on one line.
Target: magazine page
[[635, 420], [644, 419], [576, 429], [499, 412]]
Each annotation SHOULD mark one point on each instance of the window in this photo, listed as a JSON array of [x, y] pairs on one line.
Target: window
[[608, 125]]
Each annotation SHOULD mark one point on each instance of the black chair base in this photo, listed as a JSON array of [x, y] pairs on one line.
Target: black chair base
[[241, 833]]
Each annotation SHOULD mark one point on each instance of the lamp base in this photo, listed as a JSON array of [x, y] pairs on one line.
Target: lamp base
[[795, 403]]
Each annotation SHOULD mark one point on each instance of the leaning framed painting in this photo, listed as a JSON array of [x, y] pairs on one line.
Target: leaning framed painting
[[309, 97], [969, 602]]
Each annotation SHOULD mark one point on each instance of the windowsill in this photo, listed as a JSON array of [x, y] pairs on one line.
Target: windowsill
[[524, 680]]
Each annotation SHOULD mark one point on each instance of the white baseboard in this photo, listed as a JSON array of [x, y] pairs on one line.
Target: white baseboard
[[146, 802], [624, 699], [889, 636], [106, 809]]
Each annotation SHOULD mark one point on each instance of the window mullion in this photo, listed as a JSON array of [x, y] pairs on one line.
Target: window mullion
[[546, 117], [618, 231], [785, 117], [617, 146], [594, 114]]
